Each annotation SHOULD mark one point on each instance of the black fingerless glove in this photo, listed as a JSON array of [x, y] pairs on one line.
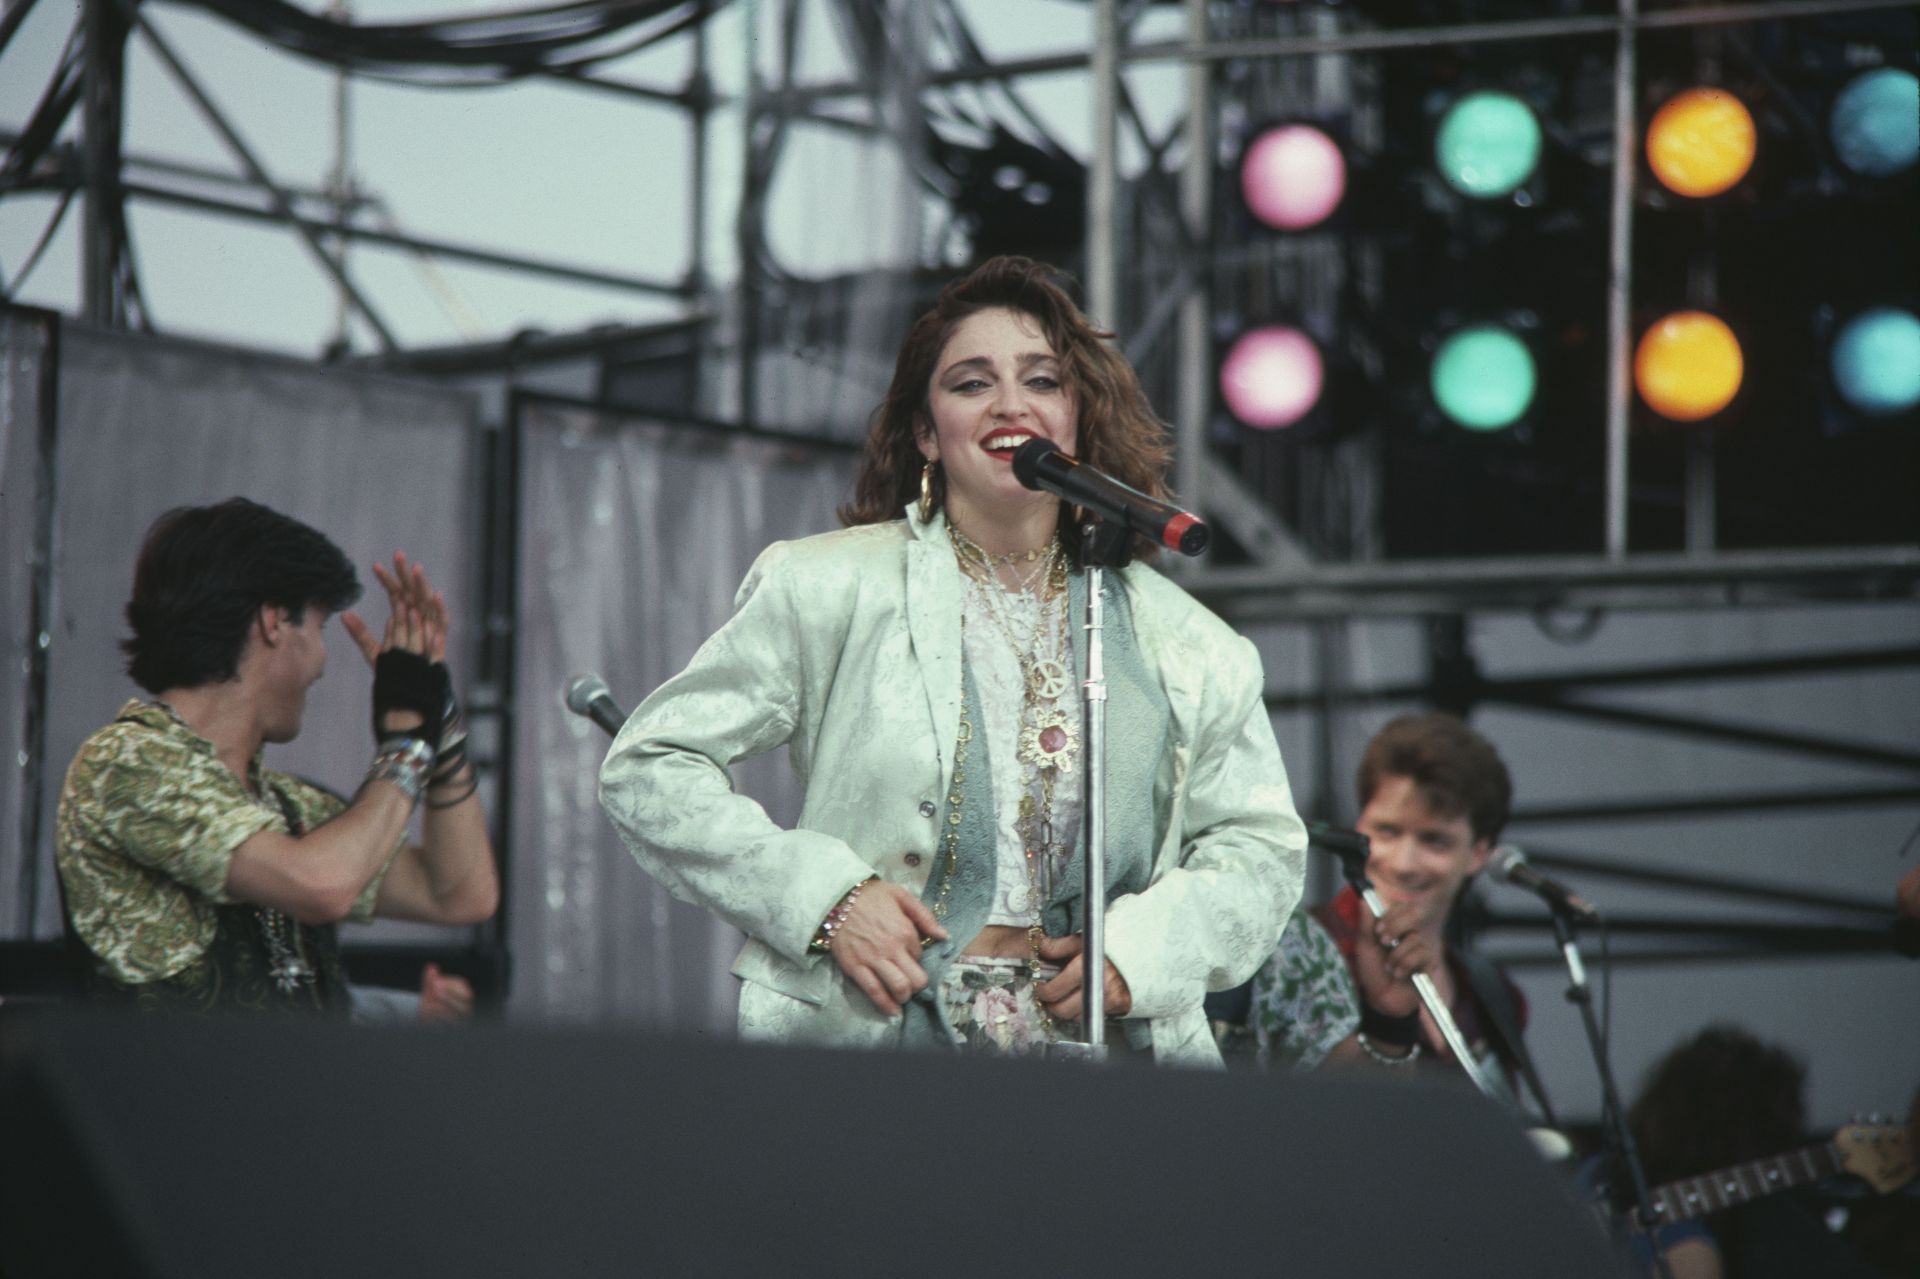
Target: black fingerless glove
[[1397, 1032], [404, 681]]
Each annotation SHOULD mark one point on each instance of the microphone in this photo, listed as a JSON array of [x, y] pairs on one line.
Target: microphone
[[1039, 464], [1350, 846], [1510, 865], [588, 696]]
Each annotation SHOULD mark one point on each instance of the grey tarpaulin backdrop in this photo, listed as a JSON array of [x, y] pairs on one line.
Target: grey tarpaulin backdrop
[[25, 342], [145, 424], [635, 536]]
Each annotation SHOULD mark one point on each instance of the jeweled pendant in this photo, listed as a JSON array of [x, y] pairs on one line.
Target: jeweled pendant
[[1049, 740]]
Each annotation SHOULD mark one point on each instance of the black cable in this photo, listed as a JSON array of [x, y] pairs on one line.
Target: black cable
[[46, 237], [514, 42]]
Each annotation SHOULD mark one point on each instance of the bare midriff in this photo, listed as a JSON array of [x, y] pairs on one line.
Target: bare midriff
[[1000, 941]]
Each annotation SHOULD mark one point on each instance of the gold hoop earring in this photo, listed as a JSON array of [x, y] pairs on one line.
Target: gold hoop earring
[[926, 493]]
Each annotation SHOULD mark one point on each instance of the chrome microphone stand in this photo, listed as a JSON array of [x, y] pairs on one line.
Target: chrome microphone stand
[[1093, 818], [1352, 850], [1614, 1127]]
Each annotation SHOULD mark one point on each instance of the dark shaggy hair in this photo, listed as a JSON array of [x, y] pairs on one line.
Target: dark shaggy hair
[[1458, 772], [1119, 433], [203, 574], [1721, 1098]]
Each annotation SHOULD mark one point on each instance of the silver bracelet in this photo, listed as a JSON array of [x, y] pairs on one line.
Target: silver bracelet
[[404, 762], [1366, 1046]]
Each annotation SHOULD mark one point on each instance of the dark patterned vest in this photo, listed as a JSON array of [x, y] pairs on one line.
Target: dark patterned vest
[[236, 972]]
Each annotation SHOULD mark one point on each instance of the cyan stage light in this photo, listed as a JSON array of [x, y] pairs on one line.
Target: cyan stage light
[[1483, 378], [1293, 177], [1876, 361], [1875, 125], [1688, 366], [1488, 144], [1701, 142], [1272, 377]]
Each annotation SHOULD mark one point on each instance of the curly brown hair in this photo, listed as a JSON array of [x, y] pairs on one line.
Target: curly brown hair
[[1119, 433], [1721, 1098]]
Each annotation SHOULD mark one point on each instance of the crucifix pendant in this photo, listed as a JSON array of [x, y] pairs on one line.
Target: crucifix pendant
[[290, 973]]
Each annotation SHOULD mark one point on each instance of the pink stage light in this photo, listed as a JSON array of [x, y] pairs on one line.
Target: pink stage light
[[1293, 177], [1272, 377]]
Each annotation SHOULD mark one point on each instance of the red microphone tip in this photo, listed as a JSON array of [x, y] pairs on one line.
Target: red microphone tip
[[1176, 531]]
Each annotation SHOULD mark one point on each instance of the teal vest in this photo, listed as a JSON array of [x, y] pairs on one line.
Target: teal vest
[[1138, 721]]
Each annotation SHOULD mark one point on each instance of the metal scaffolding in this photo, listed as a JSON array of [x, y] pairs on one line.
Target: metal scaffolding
[[1155, 272]]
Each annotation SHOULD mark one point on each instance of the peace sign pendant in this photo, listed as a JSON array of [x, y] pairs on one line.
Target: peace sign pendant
[[1046, 679]]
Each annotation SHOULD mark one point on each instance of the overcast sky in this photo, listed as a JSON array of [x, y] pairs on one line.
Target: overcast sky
[[547, 170]]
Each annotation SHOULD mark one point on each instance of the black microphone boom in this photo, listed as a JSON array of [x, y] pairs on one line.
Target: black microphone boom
[[1511, 865], [588, 695], [1039, 464], [1350, 846]]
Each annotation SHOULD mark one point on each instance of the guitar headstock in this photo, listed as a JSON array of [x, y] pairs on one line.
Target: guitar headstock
[[1879, 1154]]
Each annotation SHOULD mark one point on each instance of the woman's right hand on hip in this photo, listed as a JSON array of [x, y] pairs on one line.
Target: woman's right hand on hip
[[878, 945]]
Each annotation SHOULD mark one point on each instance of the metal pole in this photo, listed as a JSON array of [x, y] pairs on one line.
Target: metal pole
[[1442, 1016], [340, 182], [1428, 37], [281, 204], [1620, 279], [1094, 901], [1702, 518], [702, 92], [1613, 1117], [41, 624], [103, 302], [1102, 177], [436, 248], [1196, 204]]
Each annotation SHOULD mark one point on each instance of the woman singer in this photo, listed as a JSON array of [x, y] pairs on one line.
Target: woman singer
[[925, 674]]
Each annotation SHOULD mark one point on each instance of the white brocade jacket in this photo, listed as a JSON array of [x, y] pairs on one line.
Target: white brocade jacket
[[847, 648]]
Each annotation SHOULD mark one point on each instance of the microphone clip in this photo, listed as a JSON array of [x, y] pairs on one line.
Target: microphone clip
[[1104, 542]]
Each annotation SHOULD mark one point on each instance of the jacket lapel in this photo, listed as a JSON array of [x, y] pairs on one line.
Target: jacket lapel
[[933, 621], [1179, 671], [1182, 678]]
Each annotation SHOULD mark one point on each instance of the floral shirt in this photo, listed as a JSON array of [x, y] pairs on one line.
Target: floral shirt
[[1303, 1001], [149, 819]]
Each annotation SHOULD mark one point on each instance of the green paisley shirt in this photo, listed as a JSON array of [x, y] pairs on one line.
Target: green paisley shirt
[[149, 819], [1303, 998]]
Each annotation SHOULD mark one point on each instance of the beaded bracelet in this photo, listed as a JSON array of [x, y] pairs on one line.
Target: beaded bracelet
[[1385, 1059], [404, 762], [823, 936]]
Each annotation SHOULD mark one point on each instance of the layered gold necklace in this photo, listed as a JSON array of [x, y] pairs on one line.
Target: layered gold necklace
[[1049, 736]]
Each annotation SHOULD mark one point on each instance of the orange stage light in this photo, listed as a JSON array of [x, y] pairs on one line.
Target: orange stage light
[[1688, 366], [1701, 142]]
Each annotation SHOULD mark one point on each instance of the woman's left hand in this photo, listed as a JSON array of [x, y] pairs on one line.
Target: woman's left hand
[[1062, 996]]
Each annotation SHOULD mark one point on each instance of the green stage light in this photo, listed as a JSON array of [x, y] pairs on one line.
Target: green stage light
[[1489, 143], [1876, 122], [1483, 378], [1876, 361]]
